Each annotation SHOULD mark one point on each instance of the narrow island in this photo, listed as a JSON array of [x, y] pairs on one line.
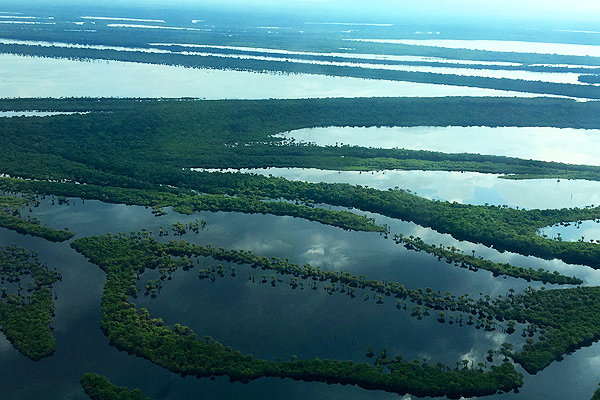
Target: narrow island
[[10, 218], [452, 255], [564, 320], [178, 349], [25, 318], [98, 387]]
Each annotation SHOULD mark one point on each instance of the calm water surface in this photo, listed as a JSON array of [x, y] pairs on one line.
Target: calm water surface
[[567, 145], [10, 114], [46, 77], [461, 187], [586, 230], [275, 322], [259, 319], [500, 45]]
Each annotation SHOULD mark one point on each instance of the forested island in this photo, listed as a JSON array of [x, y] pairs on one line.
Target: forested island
[[453, 255], [25, 318], [124, 257], [203, 60], [240, 134], [10, 218], [101, 156], [565, 319], [97, 387], [383, 287], [593, 79], [107, 152]]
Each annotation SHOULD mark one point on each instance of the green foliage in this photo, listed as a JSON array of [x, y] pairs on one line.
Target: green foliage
[[454, 255], [26, 326], [592, 79], [25, 319], [10, 219], [502, 227], [107, 150], [118, 164], [178, 349], [187, 202], [99, 387], [571, 318], [242, 64], [596, 395], [131, 153]]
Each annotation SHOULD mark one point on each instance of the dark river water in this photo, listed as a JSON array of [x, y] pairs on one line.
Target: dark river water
[[276, 322], [269, 322]]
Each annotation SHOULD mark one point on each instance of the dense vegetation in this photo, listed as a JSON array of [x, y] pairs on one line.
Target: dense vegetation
[[139, 152], [225, 31], [593, 79], [504, 228], [187, 202], [10, 218], [596, 395], [123, 258], [26, 319], [570, 320], [238, 134], [99, 387], [564, 320], [234, 63], [121, 166], [453, 255], [107, 149]]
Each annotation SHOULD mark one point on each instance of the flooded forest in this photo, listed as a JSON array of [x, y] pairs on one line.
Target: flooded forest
[[206, 202]]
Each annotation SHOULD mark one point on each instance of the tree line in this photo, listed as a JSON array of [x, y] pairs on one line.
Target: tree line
[[178, 349], [25, 318], [452, 255], [98, 387], [561, 320], [253, 65]]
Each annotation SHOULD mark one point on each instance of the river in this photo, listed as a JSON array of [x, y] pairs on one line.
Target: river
[[259, 319], [276, 322]]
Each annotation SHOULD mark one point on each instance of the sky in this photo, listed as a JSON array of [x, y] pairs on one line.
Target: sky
[[489, 9], [506, 8]]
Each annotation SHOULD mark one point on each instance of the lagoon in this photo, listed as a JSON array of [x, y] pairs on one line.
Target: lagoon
[[584, 231], [10, 114], [567, 145], [462, 187], [46, 77], [276, 322], [256, 318], [499, 45]]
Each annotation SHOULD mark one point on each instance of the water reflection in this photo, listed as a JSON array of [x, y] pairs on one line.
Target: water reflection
[[461, 187], [255, 317], [499, 45], [47, 77], [10, 114], [567, 145], [575, 231], [275, 322]]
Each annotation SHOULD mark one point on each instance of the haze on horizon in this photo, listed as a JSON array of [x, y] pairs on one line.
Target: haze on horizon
[[575, 10]]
